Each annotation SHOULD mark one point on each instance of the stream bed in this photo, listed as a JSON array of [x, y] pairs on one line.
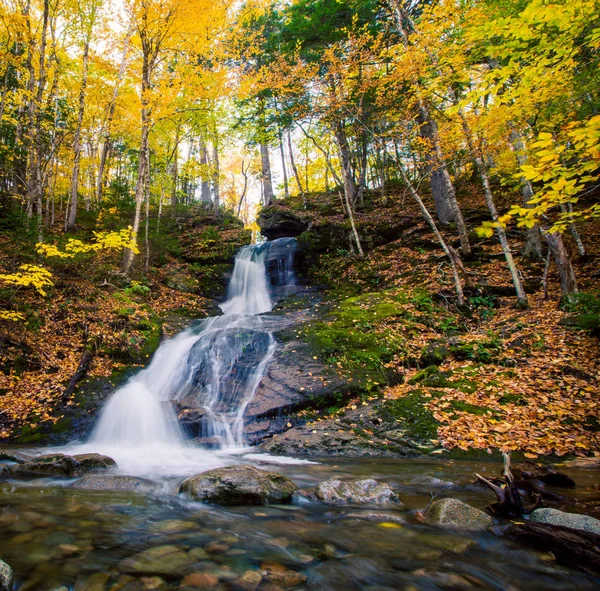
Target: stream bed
[[54, 536]]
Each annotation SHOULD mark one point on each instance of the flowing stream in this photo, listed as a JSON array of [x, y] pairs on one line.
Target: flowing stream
[[216, 365]]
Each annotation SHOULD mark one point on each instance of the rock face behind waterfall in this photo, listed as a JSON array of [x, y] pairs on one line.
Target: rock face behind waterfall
[[239, 485]]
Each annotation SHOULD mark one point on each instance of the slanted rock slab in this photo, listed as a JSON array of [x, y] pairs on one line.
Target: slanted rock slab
[[6, 577], [455, 513], [357, 492], [572, 520], [239, 485]]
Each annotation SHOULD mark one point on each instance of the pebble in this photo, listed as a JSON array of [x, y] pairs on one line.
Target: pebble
[[204, 580], [249, 581], [216, 548]]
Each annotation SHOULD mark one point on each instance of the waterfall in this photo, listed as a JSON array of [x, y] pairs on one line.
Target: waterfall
[[215, 366]]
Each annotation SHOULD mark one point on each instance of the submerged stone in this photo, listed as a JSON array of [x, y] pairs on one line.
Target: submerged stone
[[455, 513], [239, 485], [358, 492], [162, 560]]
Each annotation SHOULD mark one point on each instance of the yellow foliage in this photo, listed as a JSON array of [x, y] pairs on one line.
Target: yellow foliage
[[29, 275]]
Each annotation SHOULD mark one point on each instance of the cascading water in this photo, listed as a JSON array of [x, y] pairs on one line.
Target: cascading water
[[217, 363]]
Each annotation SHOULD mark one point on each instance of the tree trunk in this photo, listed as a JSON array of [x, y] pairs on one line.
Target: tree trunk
[[566, 273], [216, 175], [533, 244], [70, 225], [286, 190], [489, 198], [174, 174], [267, 182], [106, 144], [144, 162], [451, 254], [294, 168], [347, 172], [205, 184]]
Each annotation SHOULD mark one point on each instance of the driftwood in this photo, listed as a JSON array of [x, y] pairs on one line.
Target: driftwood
[[82, 369], [531, 481], [571, 547], [509, 498]]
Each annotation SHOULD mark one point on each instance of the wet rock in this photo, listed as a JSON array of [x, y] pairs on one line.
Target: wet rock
[[292, 381], [198, 554], [455, 513], [131, 483], [48, 465], [583, 463], [162, 560], [249, 581], [15, 456], [278, 222], [376, 517], [216, 548], [200, 580], [92, 462], [6, 577], [239, 485], [96, 582], [282, 576], [174, 526], [153, 583], [358, 492], [572, 520]]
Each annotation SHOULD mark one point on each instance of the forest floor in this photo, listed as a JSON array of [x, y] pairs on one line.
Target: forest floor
[[487, 377]]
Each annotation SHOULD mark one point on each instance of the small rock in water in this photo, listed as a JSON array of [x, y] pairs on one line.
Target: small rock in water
[[6, 577], [202, 580], [153, 583], [95, 582], [174, 526], [572, 520], [282, 576], [249, 581], [216, 548], [455, 513], [198, 554], [583, 463], [46, 465], [162, 560], [368, 492], [239, 485], [113, 483]]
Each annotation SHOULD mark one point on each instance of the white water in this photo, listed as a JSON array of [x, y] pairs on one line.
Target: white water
[[217, 364]]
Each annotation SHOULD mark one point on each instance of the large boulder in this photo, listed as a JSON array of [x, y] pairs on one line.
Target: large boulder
[[6, 577], [455, 513], [239, 485], [128, 483], [572, 520], [278, 222], [358, 492]]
